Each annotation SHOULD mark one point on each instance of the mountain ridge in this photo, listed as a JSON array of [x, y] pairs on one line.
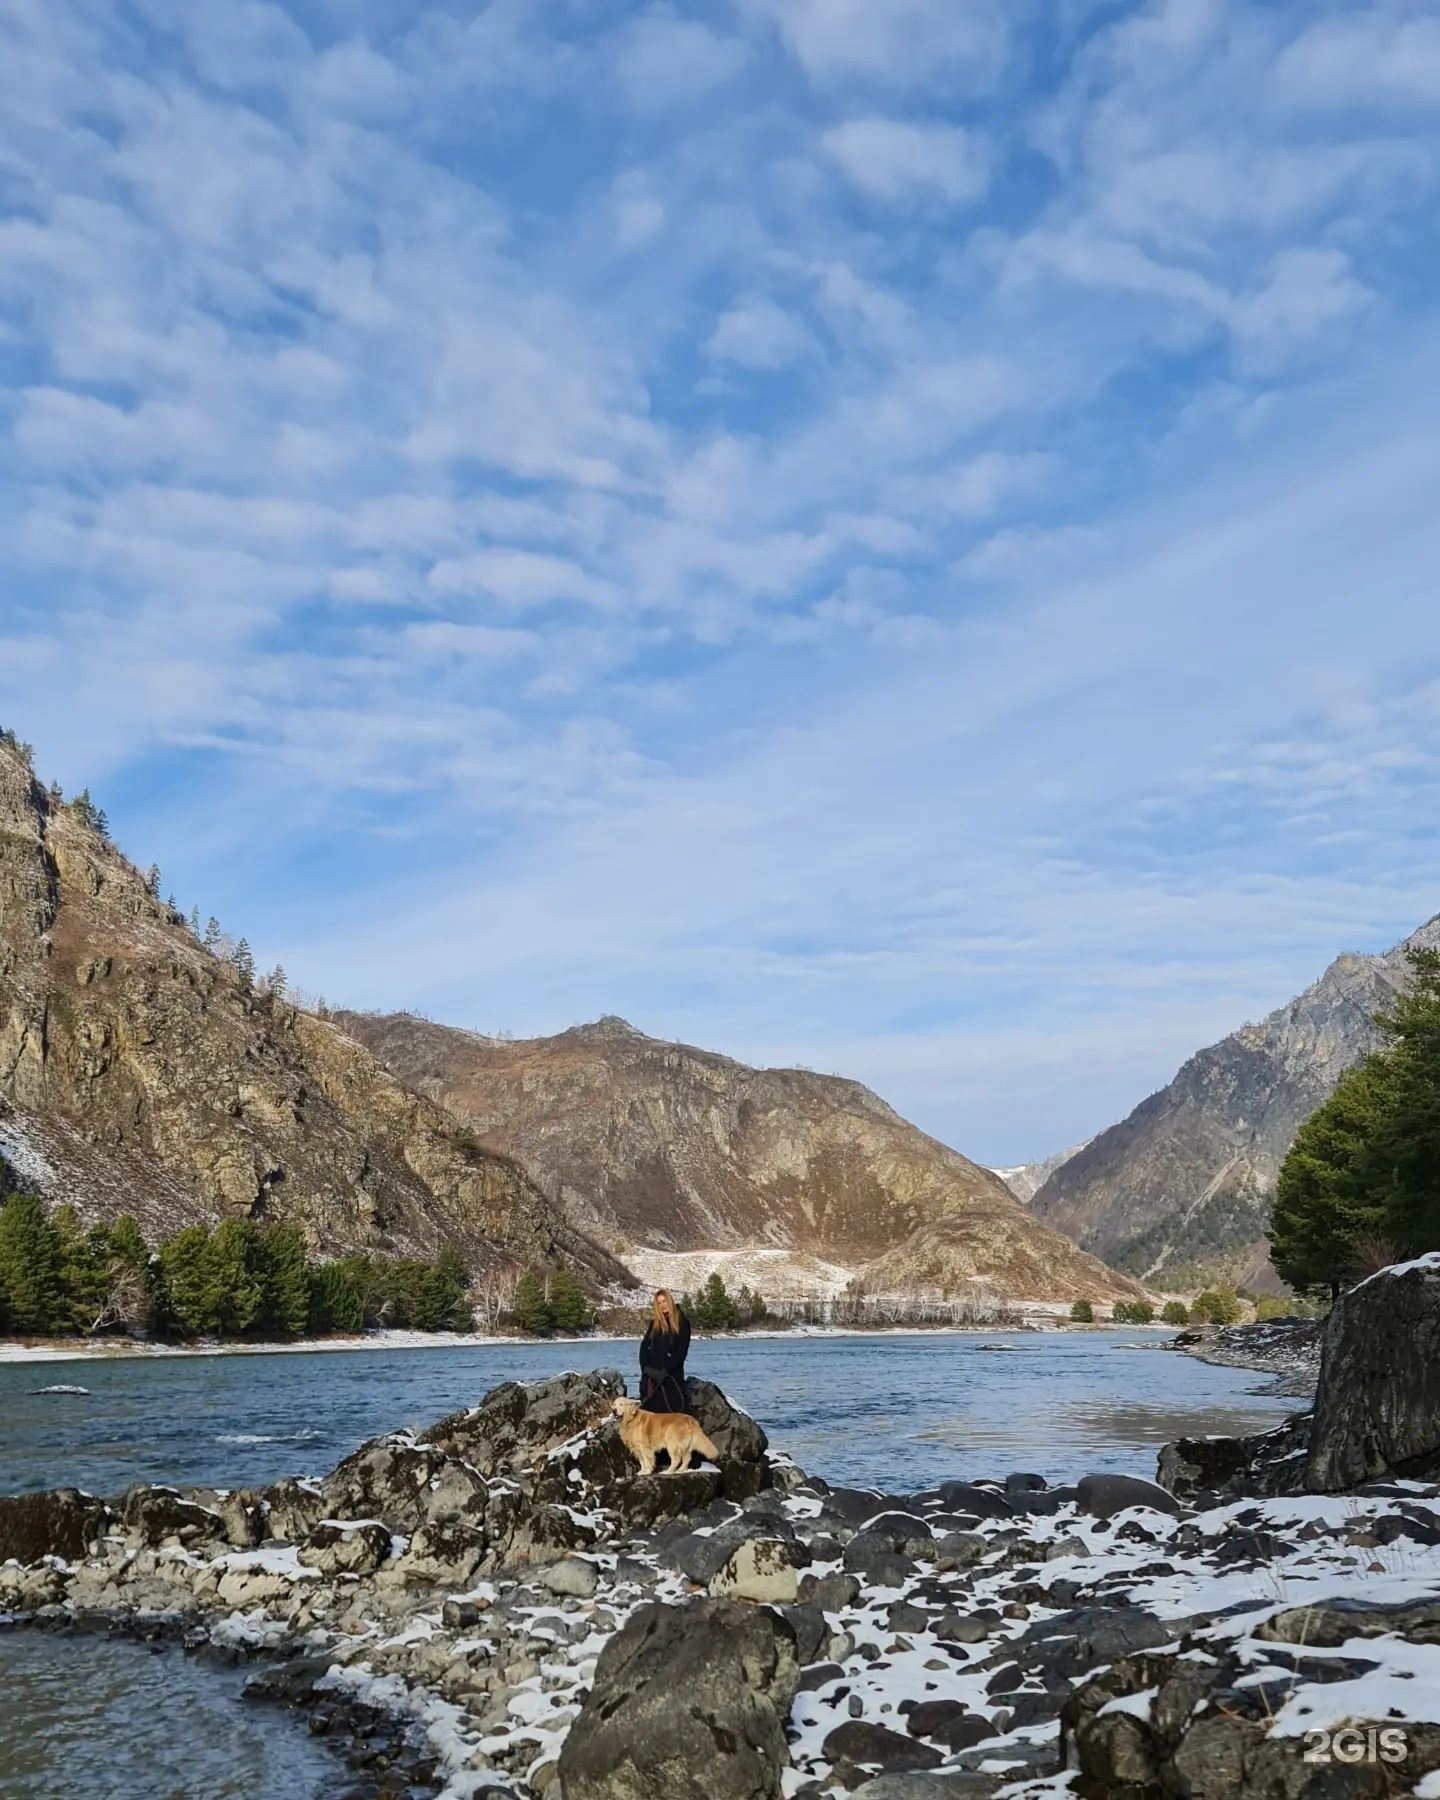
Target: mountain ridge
[[1185, 1178], [141, 1073], [671, 1148]]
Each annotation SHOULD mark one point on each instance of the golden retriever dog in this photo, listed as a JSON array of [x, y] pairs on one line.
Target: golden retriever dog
[[645, 1434]]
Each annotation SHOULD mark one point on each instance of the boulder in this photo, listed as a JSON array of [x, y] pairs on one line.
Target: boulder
[[861, 1744], [516, 1425], [62, 1522], [575, 1577], [1266, 1463], [402, 1483], [157, 1514], [1104, 1495], [688, 1703], [760, 1569], [737, 1436], [344, 1549], [447, 1552], [1377, 1408]]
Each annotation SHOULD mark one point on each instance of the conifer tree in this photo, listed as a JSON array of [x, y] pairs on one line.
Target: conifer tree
[[244, 963], [283, 1277], [30, 1283], [185, 1276], [335, 1300], [569, 1309], [531, 1306], [194, 921], [232, 1267], [212, 935], [81, 1268]]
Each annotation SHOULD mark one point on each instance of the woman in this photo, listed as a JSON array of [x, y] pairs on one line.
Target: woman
[[662, 1357]]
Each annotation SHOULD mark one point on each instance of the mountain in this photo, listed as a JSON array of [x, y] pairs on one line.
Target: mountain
[[1184, 1183], [1025, 1180], [660, 1147], [140, 1073]]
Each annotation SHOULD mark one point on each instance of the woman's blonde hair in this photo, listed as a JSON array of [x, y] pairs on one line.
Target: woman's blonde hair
[[664, 1314]]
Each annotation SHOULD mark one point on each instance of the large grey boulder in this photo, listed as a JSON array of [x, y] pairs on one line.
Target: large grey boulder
[[1266, 1463], [1377, 1410], [62, 1522], [515, 1426], [689, 1703]]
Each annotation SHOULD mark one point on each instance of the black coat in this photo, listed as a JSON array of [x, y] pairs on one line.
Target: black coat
[[662, 1368]]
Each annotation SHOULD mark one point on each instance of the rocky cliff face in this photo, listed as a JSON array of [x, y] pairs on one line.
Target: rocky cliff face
[[1025, 1180], [138, 1074], [1186, 1180], [650, 1143]]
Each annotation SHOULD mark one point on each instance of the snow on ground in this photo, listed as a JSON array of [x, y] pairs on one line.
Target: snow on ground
[[777, 1274]]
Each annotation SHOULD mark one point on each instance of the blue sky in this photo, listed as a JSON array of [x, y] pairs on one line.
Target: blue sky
[[895, 537]]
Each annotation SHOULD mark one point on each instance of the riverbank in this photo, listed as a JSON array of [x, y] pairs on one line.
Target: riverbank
[[1287, 1349], [43, 1350]]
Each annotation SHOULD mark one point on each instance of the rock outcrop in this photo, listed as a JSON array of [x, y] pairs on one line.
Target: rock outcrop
[[1377, 1407], [649, 1143], [139, 1073], [1186, 1179], [689, 1703]]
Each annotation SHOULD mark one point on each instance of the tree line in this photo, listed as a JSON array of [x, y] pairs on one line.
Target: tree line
[[1360, 1187], [241, 1278]]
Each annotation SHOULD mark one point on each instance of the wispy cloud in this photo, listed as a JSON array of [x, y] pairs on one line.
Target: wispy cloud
[[892, 535]]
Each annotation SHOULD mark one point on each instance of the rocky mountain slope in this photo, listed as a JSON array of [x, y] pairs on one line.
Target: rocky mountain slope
[[139, 1073], [655, 1144], [1186, 1180], [1025, 1180]]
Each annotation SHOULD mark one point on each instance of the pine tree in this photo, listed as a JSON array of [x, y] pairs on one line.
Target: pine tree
[[569, 1309], [185, 1281], [283, 1277], [81, 1267], [530, 1305], [152, 881], [30, 1282], [194, 921], [1175, 1312], [1325, 1200], [212, 935], [277, 982], [243, 960], [335, 1300], [1402, 1159], [232, 1266], [713, 1308]]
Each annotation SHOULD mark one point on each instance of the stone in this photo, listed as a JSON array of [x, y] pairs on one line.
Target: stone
[[155, 1514], [1377, 1408], [864, 1744], [969, 1497], [853, 1506], [1104, 1495], [402, 1483], [689, 1703], [832, 1592], [518, 1423], [61, 1522], [342, 1549], [873, 1558], [927, 1716], [447, 1553], [810, 1628], [574, 1576], [905, 1532], [1021, 1482], [760, 1569], [1211, 1469]]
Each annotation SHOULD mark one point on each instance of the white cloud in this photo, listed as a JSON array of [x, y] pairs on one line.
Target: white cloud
[[758, 334], [947, 44], [1382, 53], [661, 61], [895, 159]]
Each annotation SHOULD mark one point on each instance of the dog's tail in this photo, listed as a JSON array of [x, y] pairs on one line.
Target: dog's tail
[[705, 1447]]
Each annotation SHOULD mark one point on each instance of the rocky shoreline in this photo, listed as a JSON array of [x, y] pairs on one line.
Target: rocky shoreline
[[501, 1603], [1288, 1349]]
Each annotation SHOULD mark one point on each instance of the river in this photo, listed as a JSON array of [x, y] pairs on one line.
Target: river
[[895, 1411]]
